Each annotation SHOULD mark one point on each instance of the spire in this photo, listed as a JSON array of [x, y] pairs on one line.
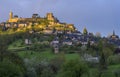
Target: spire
[[113, 32]]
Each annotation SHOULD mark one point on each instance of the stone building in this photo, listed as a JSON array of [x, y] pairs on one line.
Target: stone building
[[49, 22]]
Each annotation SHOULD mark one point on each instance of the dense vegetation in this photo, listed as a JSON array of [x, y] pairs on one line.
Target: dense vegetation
[[18, 59]]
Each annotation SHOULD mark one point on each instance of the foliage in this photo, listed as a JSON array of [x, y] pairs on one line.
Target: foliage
[[43, 69], [74, 68], [85, 32], [39, 47], [70, 49], [98, 35], [3, 47], [47, 64], [114, 59], [8, 69], [57, 62]]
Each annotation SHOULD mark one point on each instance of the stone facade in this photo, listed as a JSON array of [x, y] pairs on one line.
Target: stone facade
[[46, 23]]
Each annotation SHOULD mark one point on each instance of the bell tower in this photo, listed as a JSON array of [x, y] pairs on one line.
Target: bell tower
[[10, 15]]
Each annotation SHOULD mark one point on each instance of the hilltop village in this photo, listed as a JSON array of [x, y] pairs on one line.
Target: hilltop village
[[51, 25]]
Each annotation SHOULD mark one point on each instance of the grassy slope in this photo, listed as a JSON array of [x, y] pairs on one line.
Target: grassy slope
[[45, 55], [48, 54]]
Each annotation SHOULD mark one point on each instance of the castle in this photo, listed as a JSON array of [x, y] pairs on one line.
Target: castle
[[49, 22]]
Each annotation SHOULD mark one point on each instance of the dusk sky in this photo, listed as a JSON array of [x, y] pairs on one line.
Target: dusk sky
[[96, 15]]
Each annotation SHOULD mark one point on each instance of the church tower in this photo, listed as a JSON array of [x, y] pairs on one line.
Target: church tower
[[113, 33], [12, 18], [114, 36], [10, 15]]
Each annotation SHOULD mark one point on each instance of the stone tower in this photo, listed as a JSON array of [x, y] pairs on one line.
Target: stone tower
[[50, 16], [10, 15]]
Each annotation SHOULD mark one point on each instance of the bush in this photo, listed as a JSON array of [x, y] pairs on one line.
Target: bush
[[43, 69], [115, 59], [57, 62], [39, 47], [117, 72], [8, 69], [68, 49], [74, 68]]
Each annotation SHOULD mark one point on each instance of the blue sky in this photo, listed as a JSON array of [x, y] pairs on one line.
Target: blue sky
[[96, 15]]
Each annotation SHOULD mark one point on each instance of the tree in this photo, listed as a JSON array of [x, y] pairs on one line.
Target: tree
[[98, 34], [8, 69], [8, 60], [47, 72], [43, 69], [107, 52], [3, 46], [109, 35], [104, 52], [57, 62], [74, 68], [117, 72], [85, 32]]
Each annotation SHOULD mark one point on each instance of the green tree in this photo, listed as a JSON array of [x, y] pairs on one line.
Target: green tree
[[104, 52], [57, 62], [85, 32], [47, 72], [74, 68], [8, 69], [98, 35], [3, 46], [43, 69]]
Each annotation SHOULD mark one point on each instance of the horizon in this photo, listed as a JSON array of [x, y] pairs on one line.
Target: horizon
[[84, 13]]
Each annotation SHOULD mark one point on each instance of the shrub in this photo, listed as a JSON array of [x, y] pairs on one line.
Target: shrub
[[8, 69], [74, 68], [39, 47], [115, 59]]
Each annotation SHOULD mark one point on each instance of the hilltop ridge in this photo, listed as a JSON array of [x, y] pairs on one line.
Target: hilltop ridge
[[47, 24]]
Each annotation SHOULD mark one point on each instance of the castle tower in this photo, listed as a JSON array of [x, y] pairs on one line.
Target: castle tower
[[50, 16], [10, 15]]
